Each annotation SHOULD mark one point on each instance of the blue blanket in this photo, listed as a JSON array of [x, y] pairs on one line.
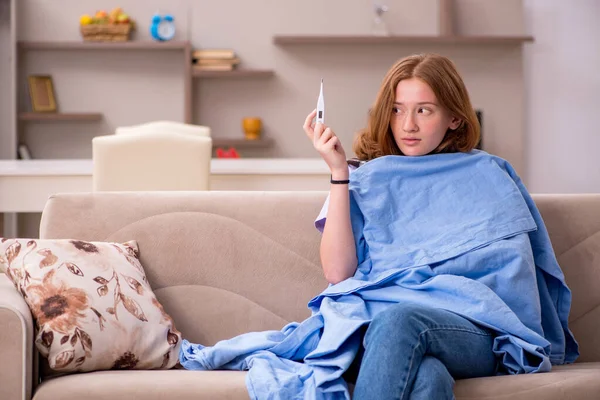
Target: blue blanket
[[456, 231]]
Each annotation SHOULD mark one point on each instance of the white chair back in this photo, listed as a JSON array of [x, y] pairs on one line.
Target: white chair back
[[150, 161]]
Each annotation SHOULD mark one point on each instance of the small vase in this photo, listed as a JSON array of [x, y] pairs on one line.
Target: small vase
[[252, 128]]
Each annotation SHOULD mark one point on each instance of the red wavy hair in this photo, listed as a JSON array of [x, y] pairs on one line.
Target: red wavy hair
[[441, 75]]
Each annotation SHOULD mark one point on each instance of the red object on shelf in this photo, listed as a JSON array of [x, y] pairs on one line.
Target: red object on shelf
[[231, 153]]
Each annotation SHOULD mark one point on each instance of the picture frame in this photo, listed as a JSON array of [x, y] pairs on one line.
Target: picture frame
[[41, 93]]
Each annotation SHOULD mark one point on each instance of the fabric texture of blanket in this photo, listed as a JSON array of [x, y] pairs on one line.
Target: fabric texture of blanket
[[455, 231]]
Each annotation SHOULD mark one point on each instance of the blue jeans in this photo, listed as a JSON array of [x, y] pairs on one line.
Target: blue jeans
[[415, 352]]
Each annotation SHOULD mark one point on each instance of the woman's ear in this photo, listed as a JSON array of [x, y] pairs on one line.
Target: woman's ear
[[455, 123]]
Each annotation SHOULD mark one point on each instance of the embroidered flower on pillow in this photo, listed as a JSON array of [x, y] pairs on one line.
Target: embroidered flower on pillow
[[92, 304]]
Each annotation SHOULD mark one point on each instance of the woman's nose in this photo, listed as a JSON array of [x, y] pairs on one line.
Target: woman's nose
[[409, 124]]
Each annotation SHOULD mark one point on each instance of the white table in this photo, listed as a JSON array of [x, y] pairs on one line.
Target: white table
[[25, 185]]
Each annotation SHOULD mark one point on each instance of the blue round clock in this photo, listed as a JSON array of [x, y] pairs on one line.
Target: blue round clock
[[162, 27]]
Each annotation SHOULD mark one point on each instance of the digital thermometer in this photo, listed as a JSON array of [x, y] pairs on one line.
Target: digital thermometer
[[321, 106]]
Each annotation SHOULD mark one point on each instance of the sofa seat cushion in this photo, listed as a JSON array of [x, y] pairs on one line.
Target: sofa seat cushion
[[574, 381], [145, 385]]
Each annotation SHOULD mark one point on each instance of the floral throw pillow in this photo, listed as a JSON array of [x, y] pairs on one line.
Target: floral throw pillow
[[92, 305]]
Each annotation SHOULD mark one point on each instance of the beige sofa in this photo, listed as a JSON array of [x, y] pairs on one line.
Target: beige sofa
[[224, 263]]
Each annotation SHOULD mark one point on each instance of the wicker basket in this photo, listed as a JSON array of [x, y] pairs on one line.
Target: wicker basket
[[106, 32]]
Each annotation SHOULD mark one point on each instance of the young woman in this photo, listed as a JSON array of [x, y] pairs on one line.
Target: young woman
[[410, 350]]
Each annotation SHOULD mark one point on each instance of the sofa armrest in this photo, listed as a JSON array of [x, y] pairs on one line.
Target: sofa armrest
[[16, 344]]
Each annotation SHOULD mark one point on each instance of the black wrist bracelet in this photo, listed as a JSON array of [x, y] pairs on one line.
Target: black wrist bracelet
[[344, 182]]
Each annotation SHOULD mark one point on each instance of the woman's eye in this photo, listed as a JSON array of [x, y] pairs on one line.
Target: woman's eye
[[425, 111], [396, 110]]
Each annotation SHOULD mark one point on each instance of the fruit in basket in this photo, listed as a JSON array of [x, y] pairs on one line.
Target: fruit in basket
[[115, 26], [123, 19], [101, 17], [115, 12], [113, 16], [85, 20]]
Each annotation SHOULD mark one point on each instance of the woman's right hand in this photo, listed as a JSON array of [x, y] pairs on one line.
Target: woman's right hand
[[328, 145]]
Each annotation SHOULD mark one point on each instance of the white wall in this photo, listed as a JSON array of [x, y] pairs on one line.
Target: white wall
[[562, 77]]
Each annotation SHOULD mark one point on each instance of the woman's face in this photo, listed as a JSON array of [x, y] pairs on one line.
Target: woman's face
[[418, 121]]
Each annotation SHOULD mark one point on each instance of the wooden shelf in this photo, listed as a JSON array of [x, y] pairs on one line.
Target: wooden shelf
[[72, 117], [81, 45], [242, 143], [367, 39], [236, 73]]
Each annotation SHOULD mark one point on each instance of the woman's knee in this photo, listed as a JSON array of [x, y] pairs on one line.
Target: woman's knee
[[401, 318]]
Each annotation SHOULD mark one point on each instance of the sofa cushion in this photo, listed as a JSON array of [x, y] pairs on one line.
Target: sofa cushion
[[573, 381], [92, 304], [581, 381], [146, 385]]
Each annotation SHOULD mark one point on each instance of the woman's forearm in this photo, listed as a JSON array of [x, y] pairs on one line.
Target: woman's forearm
[[338, 252]]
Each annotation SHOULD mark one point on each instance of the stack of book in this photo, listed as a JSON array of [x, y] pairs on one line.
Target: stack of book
[[214, 60]]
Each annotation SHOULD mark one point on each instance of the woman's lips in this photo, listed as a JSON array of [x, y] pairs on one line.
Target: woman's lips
[[410, 142]]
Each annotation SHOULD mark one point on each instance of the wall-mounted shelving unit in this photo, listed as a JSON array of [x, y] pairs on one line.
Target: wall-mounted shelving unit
[[189, 75], [448, 35]]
